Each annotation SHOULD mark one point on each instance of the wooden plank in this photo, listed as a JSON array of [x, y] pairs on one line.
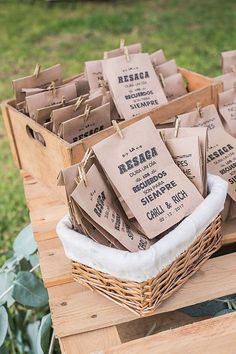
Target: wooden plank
[[212, 336], [55, 267], [10, 134], [86, 343], [216, 278], [229, 232]]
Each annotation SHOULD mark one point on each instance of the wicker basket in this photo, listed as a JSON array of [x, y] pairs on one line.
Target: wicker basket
[[140, 281], [143, 298]]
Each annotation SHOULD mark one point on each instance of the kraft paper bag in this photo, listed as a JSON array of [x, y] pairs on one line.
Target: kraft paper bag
[[94, 73], [81, 83], [97, 201], [50, 97], [228, 60], [157, 58], [174, 86], [43, 115], [186, 153], [107, 98], [42, 80], [221, 156], [202, 134], [168, 68], [227, 109], [232, 210], [133, 83], [142, 170], [81, 127], [227, 80], [132, 49], [226, 211], [66, 113]]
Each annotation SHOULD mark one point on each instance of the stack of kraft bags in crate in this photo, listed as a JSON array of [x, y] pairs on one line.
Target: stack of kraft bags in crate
[[134, 186]]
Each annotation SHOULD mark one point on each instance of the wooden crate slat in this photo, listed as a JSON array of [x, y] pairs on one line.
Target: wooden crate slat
[[216, 278], [229, 232], [86, 343], [57, 271], [212, 336]]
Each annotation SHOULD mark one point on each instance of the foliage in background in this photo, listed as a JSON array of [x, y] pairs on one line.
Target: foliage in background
[[25, 321], [194, 32]]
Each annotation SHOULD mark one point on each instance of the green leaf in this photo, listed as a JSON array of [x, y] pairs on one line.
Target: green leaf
[[6, 280], [34, 259], [32, 331], [29, 291], [25, 245], [43, 338], [3, 324], [3, 349]]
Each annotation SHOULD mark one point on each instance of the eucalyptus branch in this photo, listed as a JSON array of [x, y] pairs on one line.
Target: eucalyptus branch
[[52, 342], [11, 287]]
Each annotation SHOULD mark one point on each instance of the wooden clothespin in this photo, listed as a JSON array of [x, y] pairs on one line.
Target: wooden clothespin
[[177, 126], [52, 87], [117, 129], [199, 109], [163, 135], [37, 70], [232, 67], [87, 112], [122, 43], [126, 53], [63, 101], [88, 155], [82, 175], [78, 103], [162, 80]]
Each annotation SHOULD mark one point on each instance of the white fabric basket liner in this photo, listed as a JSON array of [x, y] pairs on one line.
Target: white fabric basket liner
[[143, 265]]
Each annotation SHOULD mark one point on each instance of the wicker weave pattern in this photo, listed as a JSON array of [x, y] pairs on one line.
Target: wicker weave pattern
[[143, 298]]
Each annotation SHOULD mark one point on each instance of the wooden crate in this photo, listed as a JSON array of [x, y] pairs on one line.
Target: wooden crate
[[44, 161], [86, 322]]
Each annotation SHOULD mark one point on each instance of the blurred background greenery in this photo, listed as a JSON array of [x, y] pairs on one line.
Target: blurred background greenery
[[194, 32]]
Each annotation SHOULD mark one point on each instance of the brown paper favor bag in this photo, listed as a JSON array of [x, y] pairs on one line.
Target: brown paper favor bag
[[132, 49], [133, 83], [68, 112], [187, 155], [42, 80], [168, 68], [232, 210], [43, 115], [158, 58], [94, 73], [97, 201], [221, 158], [227, 80], [83, 126], [174, 86], [202, 134], [81, 83], [107, 98], [68, 178], [225, 212], [142, 170], [227, 108], [204, 117], [228, 60], [50, 97]]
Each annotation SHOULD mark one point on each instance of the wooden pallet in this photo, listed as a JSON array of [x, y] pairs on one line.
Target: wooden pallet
[[86, 322]]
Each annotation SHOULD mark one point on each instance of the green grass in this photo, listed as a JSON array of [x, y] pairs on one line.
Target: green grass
[[193, 31]]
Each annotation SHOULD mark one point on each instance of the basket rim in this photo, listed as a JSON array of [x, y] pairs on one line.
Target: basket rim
[[143, 265]]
